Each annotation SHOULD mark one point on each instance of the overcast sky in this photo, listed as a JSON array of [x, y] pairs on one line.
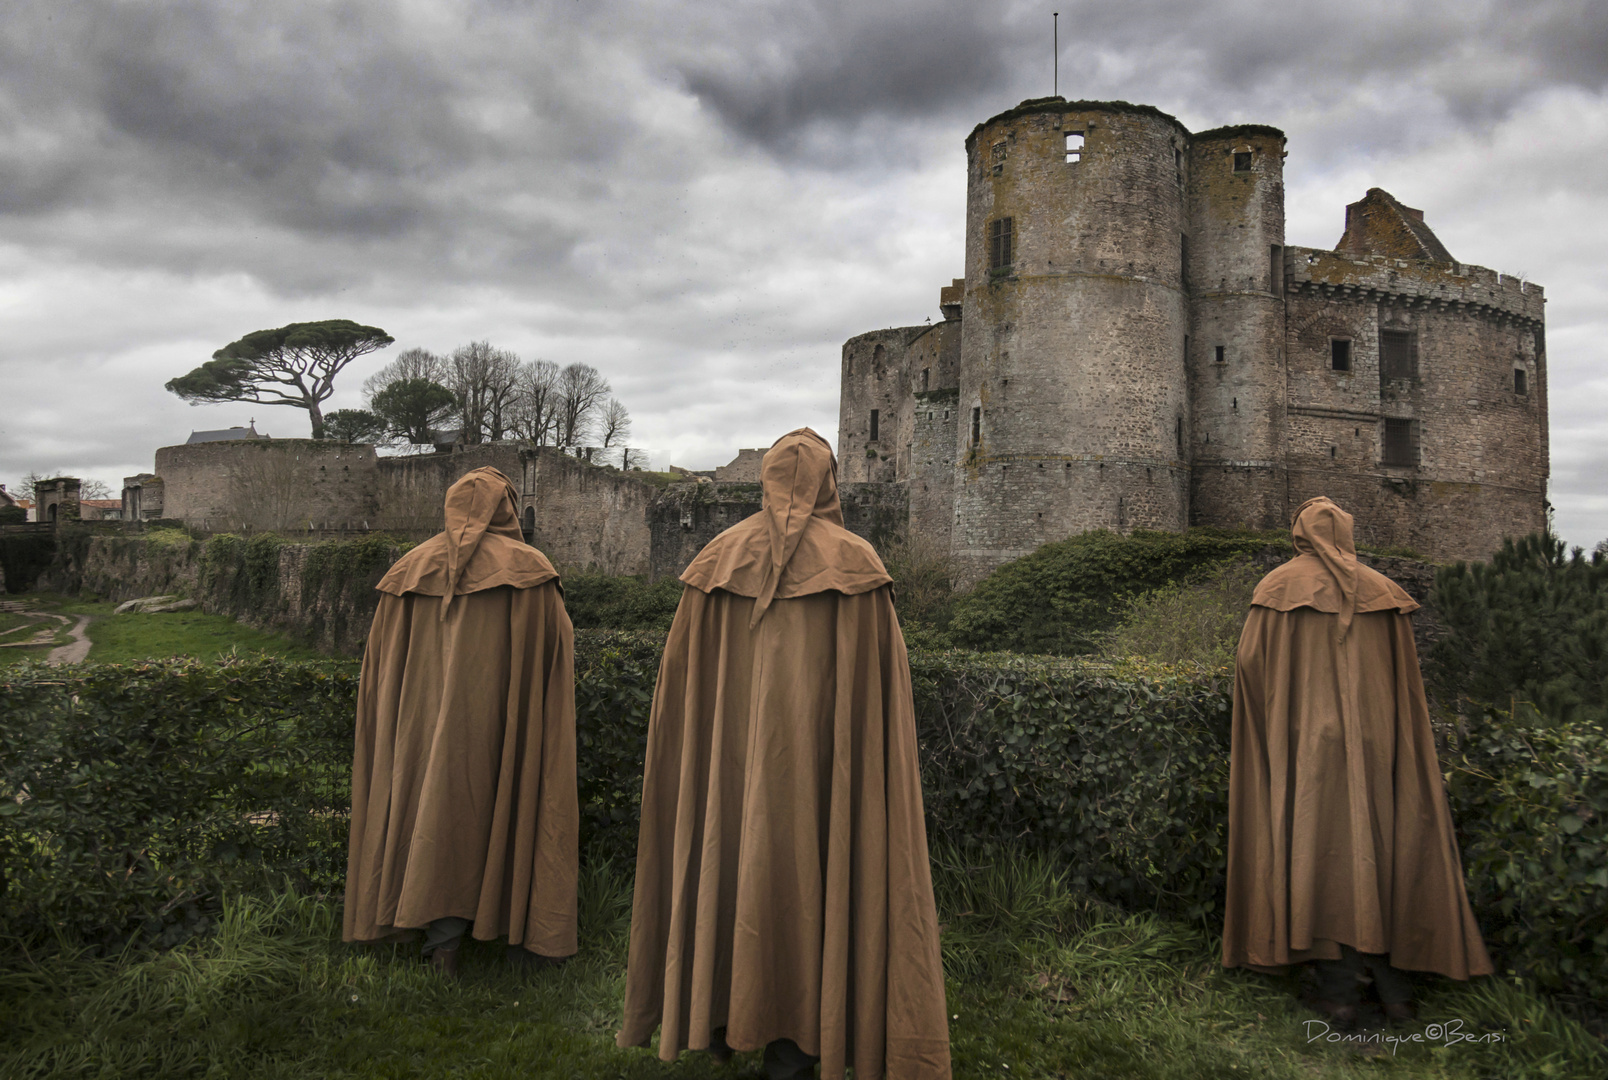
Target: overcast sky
[[702, 199]]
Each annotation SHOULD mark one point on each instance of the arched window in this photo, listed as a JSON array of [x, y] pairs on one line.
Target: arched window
[[530, 520]]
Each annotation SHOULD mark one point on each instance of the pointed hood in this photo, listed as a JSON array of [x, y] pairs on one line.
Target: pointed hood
[[1325, 574], [796, 545], [481, 548]]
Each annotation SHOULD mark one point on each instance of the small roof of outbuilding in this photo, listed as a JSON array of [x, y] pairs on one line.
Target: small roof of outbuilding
[[225, 434]]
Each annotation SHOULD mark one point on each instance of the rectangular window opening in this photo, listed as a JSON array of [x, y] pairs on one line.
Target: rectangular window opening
[[1242, 161], [1398, 354], [999, 244], [1220, 357], [1340, 354], [1401, 442], [1275, 270], [1074, 147], [924, 373], [874, 414], [977, 426], [1521, 381]]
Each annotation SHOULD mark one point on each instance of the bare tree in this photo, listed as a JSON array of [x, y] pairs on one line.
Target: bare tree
[[484, 379], [536, 401], [614, 422], [582, 389], [409, 364], [94, 489]]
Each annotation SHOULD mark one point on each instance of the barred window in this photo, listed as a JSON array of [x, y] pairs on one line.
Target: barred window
[[1398, 354], [999, 244], [1401, 442]]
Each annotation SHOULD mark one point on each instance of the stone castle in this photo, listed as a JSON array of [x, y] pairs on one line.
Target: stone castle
[[1134, 346]]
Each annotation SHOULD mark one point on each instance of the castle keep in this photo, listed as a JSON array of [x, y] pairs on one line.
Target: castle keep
[[1134, 346]]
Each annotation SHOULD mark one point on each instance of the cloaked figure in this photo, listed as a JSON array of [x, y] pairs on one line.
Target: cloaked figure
[[1340, 842], [783, 892], [464, 808]]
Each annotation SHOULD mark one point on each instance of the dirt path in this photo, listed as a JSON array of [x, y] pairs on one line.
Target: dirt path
[[76, 650]]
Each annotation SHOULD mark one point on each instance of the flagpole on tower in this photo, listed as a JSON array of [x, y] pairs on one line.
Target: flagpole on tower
[[1055, 29]]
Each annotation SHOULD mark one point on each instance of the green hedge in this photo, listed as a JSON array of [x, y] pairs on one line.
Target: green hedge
[[151, 789], [1530, 797]]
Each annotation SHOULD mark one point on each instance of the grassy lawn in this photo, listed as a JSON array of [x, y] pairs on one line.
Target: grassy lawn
[[1042, 984], [117, 639]]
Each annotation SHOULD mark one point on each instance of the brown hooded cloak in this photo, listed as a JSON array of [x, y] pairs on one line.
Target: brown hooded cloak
[[463, 777], [783, 888], [1338, 827]]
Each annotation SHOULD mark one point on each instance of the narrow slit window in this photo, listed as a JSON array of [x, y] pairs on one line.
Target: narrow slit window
[[1178, 435], [1275, 270], [925, 372], [1183, 259], [998, 157], [1074, 147], [1242, 161], [1220, 357], [1000, 236], [874, 416], [1340, 354], [1400, 442], [1521, 381], [1398, 354], [977, 426]]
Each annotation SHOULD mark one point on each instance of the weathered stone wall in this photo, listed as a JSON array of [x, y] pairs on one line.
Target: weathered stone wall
[[685, 517], [875, 375], [294, 482], [586, 516], [1072, 356], [331, 613], [1482, 456], [1236, 342]]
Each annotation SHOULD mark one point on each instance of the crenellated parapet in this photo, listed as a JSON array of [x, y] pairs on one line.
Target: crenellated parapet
[[1412, 284]]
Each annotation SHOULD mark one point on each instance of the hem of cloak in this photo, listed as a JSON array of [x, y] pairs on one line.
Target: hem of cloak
[[1327, 949]]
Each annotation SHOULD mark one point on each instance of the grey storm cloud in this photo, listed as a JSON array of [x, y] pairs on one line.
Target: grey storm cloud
[[783, 68], [704, 198]]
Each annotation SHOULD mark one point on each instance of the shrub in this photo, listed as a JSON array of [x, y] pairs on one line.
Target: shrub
[[1183, 623], [132, 797], [1532, 623], [923, 575], [1531, 798], [1063, 596], [604, 601], [133, 794]]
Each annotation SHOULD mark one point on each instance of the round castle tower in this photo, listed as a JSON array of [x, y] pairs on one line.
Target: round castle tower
[[1236, 354], [1073, 391]]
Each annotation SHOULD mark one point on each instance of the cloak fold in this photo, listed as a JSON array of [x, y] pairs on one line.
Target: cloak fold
[[1339, 831], [783, 888], [463, 777]]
